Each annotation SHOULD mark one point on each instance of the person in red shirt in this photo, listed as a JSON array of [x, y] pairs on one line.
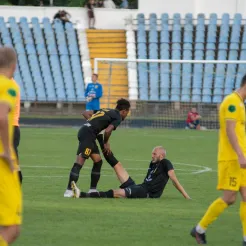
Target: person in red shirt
[[193, 120]]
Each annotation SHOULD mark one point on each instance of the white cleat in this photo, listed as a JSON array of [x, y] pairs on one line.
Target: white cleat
[[92, 190], [75, 190], [68, 193]]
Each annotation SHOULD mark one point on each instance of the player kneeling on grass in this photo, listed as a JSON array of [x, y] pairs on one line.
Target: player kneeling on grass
[[159, 172]]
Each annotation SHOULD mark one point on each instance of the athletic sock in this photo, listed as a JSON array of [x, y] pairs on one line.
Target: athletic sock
[[128, 183], [95, 174], [101, 194], [74, 174], [243, 218], [213, 212], [2, 241]]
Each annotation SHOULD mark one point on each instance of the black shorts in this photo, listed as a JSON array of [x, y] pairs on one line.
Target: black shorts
[[136, 191], [16, 140], [87, 142]]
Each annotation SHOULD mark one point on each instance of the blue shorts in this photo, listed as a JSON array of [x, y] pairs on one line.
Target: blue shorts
[[194, 123]]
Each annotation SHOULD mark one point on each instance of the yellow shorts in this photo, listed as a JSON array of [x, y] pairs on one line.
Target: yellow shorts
[[10, 197], [230, 176]]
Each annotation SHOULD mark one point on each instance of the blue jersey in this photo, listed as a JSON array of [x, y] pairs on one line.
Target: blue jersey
[[93, 90]]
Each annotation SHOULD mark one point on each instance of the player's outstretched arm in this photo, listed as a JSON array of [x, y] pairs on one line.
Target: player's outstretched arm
[[177, 185], [106, 137], [231, 134]]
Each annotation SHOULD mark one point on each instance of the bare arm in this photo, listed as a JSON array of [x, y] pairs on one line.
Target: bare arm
[[107, 133], [230, 131], [177, 185], [4, 129], [87, 114]]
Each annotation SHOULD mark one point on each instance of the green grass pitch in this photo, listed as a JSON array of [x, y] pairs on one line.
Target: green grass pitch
[[49, 219]]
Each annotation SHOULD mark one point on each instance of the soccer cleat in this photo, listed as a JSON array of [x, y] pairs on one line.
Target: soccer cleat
[[244, 243], [68, 193], [200, 238], [75, 190], [92, 190]]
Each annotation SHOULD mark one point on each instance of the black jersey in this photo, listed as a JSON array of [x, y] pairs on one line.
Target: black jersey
[[102, 118], [157, 177]]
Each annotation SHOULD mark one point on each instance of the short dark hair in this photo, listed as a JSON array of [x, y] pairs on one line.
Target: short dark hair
[[243, 81], [123, 104], [95, 74]]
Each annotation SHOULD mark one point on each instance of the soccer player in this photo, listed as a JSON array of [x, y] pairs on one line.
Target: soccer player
[[231, 162], [10, 191], [93, 94], [17, 129], [158, 174], [193, 120], [110, 158], [104, 119]]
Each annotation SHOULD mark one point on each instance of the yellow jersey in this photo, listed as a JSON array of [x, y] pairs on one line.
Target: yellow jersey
[[232, 108], [8, 94], [17, 107]]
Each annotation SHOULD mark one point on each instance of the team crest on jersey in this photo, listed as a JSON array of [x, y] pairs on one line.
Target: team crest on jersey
[[96, 86], [12, 92], [232, 108]]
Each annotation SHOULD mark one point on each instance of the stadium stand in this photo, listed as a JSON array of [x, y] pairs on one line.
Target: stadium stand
[[187, 39], [49, 68], [109, 44]]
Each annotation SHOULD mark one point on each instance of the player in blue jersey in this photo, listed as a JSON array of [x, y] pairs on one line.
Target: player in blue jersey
[[93, 94]]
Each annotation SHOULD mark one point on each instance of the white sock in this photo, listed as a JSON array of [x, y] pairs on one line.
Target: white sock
[[199, 229], [244, 238]]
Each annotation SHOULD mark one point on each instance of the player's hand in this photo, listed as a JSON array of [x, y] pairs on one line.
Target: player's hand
[[242, 161], [7, 158], [187, 197], [107, 149]]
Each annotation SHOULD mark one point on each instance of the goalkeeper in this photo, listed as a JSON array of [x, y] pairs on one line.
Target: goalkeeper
[[93, 94], [158, 174]]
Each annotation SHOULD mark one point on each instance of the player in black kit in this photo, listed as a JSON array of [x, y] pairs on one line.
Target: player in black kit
[[103, 119], [121, 173], [159, 172]]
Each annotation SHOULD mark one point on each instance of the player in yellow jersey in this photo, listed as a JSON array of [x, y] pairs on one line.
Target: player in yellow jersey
[[17, 129], [231, 162], [10, 191]]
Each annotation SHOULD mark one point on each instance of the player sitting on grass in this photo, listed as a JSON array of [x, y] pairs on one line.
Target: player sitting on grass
[[110, 158], [159, 172], [104, 119]]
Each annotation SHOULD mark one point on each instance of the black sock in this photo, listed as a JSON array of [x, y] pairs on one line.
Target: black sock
[[95, 174], [101, 194], [128, 183], [74, 174], [20, 176]]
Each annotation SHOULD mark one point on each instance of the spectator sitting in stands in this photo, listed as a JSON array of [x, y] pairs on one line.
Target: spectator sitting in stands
[[90, 10], [63, 16], [109, 4], [124, 4], [192, 121], [100, 4]]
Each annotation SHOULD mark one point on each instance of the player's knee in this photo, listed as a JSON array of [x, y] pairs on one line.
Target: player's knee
[[230, 199], [12, 233], [119, 193]]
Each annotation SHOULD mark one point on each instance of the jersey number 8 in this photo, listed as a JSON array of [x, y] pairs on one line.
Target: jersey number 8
[[87, 151]]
